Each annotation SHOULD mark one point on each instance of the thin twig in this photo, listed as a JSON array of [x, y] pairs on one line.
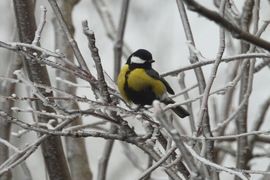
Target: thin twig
[[118, 45], [189, 36], [184, 89], [26, 171], [55, 131], [204, 104], [221, 90], [159, 163], [214, 165], [235, 31], [131, 155], [260, 66], [9, 145], [103, 88], [161, 117], [7, 89], [242, 103], [225, 59], [182, 84], [40, 26], [41, 60], [106, 154], [109, 25], [71, 40], [259, 120]]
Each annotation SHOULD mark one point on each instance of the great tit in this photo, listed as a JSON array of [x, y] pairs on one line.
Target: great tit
[[138, 83]]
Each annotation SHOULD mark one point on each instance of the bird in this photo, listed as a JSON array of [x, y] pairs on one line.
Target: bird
[[140, 84]]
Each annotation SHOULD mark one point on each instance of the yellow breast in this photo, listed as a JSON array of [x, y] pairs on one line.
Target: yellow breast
[[121, 82], [139, 80]]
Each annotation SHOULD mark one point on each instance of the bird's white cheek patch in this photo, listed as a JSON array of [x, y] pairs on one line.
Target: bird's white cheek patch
[[137, 60]]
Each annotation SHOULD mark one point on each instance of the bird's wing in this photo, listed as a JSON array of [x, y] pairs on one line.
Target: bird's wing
[[154, 74]]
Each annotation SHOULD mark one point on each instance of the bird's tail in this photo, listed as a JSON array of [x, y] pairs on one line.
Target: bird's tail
[[179, 110]]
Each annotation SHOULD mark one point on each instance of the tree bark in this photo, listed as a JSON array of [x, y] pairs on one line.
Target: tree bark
[[75, 148], [52, 148]]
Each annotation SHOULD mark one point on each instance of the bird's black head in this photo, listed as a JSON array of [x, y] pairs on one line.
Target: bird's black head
[[140, 59]]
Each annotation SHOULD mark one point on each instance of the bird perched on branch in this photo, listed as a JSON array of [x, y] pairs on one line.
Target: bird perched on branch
[[138, 83]]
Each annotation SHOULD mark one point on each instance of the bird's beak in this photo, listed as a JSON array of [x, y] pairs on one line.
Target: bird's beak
[[151, 61]]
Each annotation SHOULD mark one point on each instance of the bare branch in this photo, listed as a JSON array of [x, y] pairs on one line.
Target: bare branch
[[118, 45], [157, 164], [235, 31], [181, 80], [104, 94], [161, 116], [109, 25], [204, 104], [189, 36], [225, 59], [71, 41], [40, 26], [104, 160], [214, 165]]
